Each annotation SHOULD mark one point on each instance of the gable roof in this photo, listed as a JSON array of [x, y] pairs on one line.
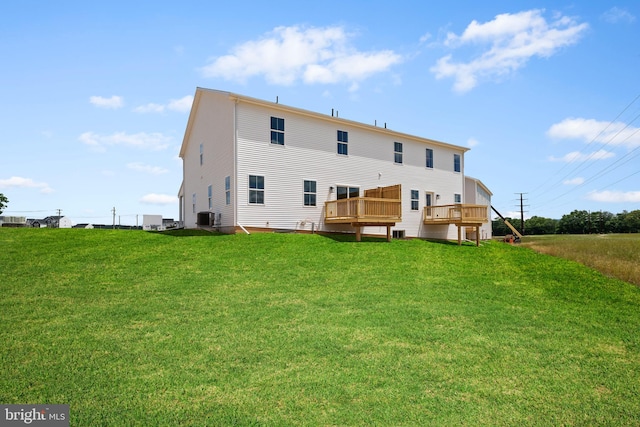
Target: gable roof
[[277, 106]]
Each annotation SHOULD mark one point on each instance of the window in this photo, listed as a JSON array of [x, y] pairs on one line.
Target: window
[[277, 131], [398, 234], [397, 152], [210, 196], [227, 190], [193, 202], [347, 192], [343, 140], [309, 193], [429, 158], [256, 189], [456, 162], [457, 198], [415, 200], [201, 151]]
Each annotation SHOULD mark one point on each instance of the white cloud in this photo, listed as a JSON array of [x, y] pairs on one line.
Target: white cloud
[[158, 199], [181, 105], [312, 55], [19, 182], [113, 103], [615, 15], [574, 181], [425, 38], [141, 167], [614, 196], [577, 156], [588, 130], [511, 40], [472, 142], [142, 140], [149, 108]]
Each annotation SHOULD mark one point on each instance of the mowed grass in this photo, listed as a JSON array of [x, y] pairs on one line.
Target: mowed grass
[[141, 329], [615, 255]]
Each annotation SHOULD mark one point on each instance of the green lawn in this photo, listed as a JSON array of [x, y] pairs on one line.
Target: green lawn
[[141, 329], [616, 255]]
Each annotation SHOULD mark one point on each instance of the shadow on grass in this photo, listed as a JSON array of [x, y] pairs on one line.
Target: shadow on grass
[[351, 238], [189, 232], [336, 237]]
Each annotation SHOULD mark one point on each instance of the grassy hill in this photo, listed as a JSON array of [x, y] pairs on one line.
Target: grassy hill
[[135, 328]]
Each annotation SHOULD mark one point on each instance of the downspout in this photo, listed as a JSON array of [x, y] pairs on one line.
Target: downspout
[[243, 229]]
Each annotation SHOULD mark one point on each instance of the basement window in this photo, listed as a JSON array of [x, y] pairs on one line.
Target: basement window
[[397, 234]]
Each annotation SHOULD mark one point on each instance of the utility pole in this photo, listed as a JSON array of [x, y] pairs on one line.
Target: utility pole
[[114, 217], [521, 213], [59, 216]]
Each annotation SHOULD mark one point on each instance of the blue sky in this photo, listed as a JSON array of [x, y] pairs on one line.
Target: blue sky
[[95, 95]]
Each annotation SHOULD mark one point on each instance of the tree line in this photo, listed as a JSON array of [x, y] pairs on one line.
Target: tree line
[[576, 222]]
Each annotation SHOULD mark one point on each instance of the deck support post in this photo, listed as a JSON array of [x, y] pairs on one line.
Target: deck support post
[[358, 233], [459, 235], [477, 235], [388, 233]]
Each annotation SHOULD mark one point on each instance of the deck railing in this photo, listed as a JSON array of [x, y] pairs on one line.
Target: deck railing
[[363, 209], [458, 213]]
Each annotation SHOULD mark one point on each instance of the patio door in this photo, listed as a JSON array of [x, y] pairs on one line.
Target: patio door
[[344, 192], [428, 203]]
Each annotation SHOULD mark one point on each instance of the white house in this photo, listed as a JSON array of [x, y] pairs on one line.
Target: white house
[[254, 164], [152, 222]]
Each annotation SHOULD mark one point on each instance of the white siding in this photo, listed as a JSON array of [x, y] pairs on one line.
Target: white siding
[[213, 127], [475, 194], [310, 153]]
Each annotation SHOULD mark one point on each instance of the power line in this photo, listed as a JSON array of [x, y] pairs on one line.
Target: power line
[[588, 145]]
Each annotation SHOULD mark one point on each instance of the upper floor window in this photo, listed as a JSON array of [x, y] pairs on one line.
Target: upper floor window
[[429, 158], [277, 131], [415, 200], [256, 189], [397, 152], [456, 162], [457, 198], [309, 193], [201, 152], [227, 190], [343, 140]]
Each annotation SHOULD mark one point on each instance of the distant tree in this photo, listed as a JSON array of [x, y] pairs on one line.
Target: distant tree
[[3, 202], [619, 224], [540, 225], [499, 228], [603, 222], [577, 222], [632, 222]]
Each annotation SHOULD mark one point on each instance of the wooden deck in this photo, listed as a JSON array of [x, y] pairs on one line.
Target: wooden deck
[[379, 207], [459, 214]]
